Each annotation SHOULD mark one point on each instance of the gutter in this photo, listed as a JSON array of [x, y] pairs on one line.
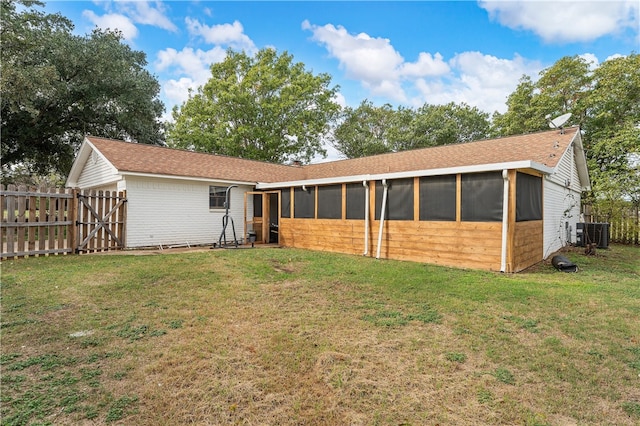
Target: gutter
[[527, 164]]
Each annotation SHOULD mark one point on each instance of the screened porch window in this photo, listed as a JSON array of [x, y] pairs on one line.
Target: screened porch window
[[399, 199], [482, 196], [330, 202], [304, 203], [356, 194], [285, 203], [528, 197], [438, 198]]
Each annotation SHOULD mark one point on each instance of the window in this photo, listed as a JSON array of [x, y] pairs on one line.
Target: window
[[257, 205], [482, 197], [355, 200], [399, 199], [438, 198], [528, 197], [304, 203], [217, 197], [330, 202], [285, 202]]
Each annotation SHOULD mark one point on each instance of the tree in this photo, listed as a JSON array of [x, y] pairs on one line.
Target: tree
[[561, 88], [365, 130], [520, 116], [263, 107], [435, 125], [612, 129], [56, 87], [369, 130], [605, 102]]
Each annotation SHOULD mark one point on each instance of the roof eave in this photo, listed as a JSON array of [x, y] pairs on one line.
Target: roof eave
[[190, 178], [581, 162], [412, 173]]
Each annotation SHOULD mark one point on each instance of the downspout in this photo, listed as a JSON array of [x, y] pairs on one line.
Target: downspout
[[366, 217], [505, 220], [384, 207]]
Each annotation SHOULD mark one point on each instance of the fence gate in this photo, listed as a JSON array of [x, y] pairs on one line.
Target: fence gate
[[44, 221], [100, 221]]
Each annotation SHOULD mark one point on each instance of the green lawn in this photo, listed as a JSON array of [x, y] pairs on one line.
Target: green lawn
[[282, 336]]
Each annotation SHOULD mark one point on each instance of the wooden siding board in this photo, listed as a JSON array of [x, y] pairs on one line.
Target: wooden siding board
[[462, 244]]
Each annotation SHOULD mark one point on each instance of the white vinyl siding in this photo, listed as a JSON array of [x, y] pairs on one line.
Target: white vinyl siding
[[561, 205], [163, 211], [98, 174]]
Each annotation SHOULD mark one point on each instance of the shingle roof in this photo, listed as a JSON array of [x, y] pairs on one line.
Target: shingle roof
[[545, 148], [153, 159]]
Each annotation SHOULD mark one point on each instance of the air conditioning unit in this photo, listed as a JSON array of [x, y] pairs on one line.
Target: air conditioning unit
[[593, 233]]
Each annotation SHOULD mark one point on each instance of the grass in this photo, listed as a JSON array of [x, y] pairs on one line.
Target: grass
[[280, 336]]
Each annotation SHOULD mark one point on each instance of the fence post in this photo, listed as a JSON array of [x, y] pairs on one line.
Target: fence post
[[72, 235]]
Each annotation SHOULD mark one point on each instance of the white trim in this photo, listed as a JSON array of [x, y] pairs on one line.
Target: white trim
[[412, 173], [84, 153], [191, 178]]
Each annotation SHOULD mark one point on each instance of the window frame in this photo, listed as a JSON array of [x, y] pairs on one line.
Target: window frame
[[218, 199]]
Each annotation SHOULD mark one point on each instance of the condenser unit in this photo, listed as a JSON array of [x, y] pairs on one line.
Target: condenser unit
[[593, 233]]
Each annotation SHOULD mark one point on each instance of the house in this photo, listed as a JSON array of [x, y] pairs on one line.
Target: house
[[501, 204]]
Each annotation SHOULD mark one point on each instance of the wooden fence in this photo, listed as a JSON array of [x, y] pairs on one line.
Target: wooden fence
[[624, 226], [44, 221]]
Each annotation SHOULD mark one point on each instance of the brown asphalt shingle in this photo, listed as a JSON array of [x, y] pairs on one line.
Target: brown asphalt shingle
[[153, 159], [544, 148]]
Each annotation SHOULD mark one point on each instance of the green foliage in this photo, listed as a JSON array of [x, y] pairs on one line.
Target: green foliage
[[392, 318], [369, 130], [505, 376], [365, 130], [520, 116], [57, 86], [612, 133], [605, 102], [632, 408], [121, 408], [263, 107], [561, 88], [455, 357]]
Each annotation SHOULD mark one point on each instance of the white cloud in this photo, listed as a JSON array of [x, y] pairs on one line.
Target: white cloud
[[113, 21], [192, 65], [564, 21], [486, 81], [178, 90], [222, 34], [591, 59], [427, 65], [614, 56], [123, 15], [479, 80], [373, 60], [142, 12]]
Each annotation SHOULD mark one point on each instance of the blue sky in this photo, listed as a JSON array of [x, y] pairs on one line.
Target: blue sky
[[402, 53]]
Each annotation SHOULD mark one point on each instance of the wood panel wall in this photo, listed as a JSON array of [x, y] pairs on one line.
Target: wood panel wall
[[527, 248]]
